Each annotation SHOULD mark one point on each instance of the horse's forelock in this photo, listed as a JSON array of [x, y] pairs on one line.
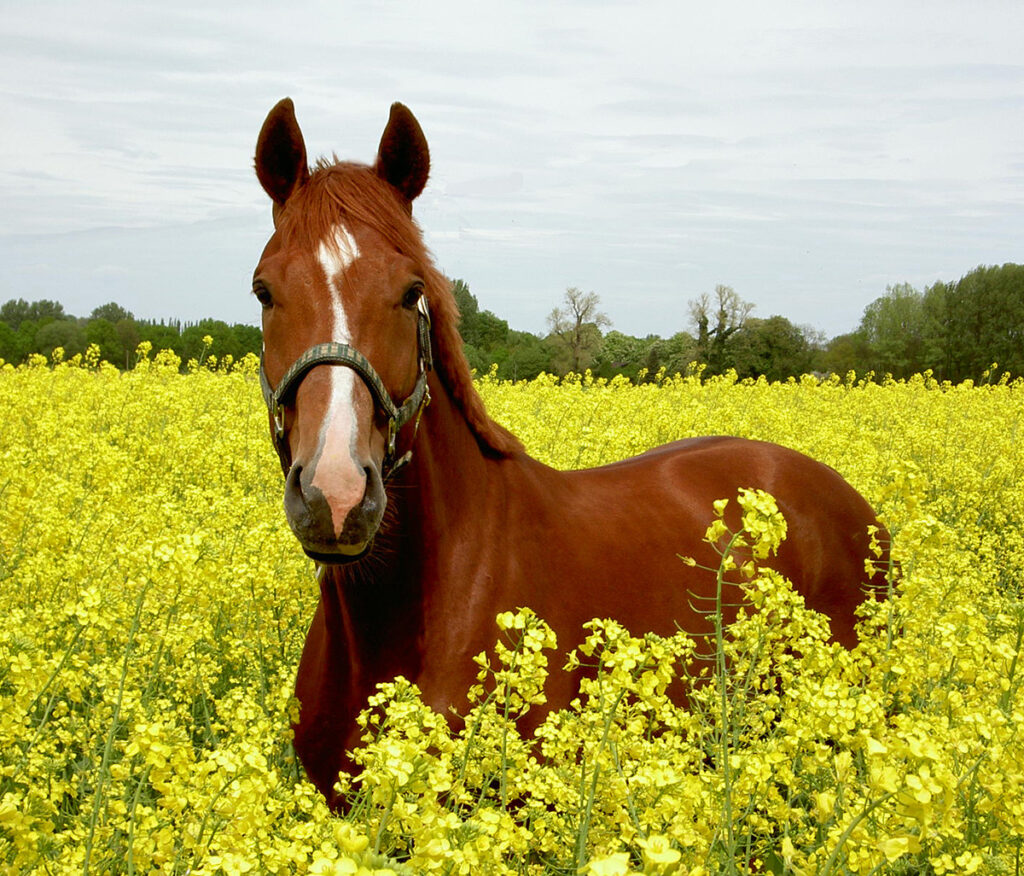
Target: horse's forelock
[[349, 193]]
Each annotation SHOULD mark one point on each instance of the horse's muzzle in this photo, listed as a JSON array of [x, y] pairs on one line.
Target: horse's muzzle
[[313, 520]]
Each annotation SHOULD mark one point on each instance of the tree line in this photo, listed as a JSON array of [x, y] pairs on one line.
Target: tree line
[[956, 330], [579, 337], [41, 326]]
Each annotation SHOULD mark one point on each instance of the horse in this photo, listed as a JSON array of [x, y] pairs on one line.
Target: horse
[[425, 516]]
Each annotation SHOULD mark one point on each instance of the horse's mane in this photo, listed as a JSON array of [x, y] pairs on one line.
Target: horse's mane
[[354, 193]]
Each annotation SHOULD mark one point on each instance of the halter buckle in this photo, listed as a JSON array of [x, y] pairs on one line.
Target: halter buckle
[[277, 412], [392, 437]]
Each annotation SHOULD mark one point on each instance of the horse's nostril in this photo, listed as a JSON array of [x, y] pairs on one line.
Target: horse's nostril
[[294, 500]]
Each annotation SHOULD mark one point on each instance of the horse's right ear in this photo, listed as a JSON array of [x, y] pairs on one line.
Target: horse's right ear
[[281, 154]]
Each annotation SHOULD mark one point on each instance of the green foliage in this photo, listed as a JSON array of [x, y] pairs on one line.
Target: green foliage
[[575, 339], [234, 341], [40, 327], [522, 357], [101, 331], [18, 310], [956, 330], [623, 354], [773, 348], [16, 344], [846, 354], [112, 312], [894, 328], [487, 339], [985, 313], [64, 333], [717, 318]]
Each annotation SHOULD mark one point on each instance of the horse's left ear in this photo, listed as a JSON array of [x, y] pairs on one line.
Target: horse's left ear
[[403, 158]]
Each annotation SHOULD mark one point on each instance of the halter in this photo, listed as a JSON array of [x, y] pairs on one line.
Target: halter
[[342, 354]]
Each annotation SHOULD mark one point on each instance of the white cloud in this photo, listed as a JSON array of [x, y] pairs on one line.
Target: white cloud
[[806, 153]]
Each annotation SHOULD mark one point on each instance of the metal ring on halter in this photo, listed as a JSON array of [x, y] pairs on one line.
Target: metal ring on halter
[[278, 415], [392, 438]]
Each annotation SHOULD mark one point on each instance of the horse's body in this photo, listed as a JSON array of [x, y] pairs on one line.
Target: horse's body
[[473, 526]]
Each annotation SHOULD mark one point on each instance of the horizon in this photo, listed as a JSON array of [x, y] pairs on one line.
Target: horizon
[[807, 329]]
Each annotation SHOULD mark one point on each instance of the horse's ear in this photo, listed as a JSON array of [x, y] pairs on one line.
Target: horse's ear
[[281, 153], [403, 158]]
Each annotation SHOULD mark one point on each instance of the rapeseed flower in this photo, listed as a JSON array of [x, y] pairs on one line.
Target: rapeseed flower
[[155, 607]]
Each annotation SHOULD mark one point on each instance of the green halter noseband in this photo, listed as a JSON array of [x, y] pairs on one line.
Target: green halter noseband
[[342, 354]]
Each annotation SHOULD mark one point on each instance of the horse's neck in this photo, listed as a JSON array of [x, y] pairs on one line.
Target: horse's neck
[[378, 616], [449, 472], [377, 604]]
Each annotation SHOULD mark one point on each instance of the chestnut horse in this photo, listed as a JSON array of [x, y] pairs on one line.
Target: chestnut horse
[[429, 520]]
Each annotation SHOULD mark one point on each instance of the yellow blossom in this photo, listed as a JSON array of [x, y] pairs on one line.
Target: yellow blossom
[[155, 608]]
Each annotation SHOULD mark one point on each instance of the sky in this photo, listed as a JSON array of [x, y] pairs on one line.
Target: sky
[[806, 154]]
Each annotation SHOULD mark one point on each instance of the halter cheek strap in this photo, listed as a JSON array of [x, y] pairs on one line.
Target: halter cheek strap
[[343, 354]]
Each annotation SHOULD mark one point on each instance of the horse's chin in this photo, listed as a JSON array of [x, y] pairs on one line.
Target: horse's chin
[[340, 557]]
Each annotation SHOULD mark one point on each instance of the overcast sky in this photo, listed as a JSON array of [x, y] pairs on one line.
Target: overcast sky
[[806, 154]]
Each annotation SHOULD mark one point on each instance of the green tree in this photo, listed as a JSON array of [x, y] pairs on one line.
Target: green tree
[[66, 333], [772, 347], [228, 340], [846, 353], [938, 337], [678, 352], [127, 331], [485, 336], [621, 354], [248, 339], [575, 337], [103, 333], [160, 335], [717, 318], [527, 356], [190, 344], [628, 355], [112, 312], [10, 345], [894, 328], [522, 356], [26, 337], [985, 311], [467, 303], [16, 311]]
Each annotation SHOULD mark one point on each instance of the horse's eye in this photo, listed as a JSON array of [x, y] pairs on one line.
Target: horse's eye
[[412, 296], [263, 295]]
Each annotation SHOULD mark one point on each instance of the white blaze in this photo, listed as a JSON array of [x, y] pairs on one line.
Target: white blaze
[[338, 431]]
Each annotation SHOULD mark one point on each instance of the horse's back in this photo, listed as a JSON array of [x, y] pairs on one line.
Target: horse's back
[[694, 472], [619, 530]]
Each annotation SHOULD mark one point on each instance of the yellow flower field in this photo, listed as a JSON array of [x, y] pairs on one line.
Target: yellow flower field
[[155, 606]]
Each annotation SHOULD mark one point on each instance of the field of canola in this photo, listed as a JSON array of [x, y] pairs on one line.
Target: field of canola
[[155, 605]]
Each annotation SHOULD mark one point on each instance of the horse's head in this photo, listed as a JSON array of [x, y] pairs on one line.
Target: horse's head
[[346, 340]]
